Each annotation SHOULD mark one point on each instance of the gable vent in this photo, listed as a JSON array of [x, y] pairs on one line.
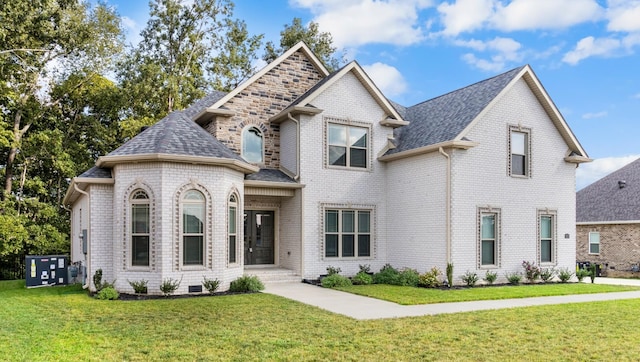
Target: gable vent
[[622, 184]]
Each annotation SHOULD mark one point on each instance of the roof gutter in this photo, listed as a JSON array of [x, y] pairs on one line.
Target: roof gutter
[[462, 145], [110, 161]]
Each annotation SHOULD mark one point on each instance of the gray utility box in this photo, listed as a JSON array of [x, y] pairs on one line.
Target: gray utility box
[[46, 270]]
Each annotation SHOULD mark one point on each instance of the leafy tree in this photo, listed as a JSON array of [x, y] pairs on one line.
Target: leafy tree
[[321, 43], [40, 40]]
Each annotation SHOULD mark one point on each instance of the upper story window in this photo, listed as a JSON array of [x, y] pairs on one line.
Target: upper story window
[[193, 219], [348, 146], [594, 243], [140, 228], [519, 151], [252, 145]]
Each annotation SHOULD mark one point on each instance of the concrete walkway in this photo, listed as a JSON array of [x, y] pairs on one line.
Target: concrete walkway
[[363, 308]]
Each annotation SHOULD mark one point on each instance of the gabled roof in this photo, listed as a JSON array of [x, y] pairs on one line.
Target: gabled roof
[[393, 118], [203, 103], [607, 200], [96, 172], [176, 138]]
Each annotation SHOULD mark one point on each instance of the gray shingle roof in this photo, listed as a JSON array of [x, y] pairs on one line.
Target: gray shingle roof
[[97, 172], [176, 134], [271, 175], [605, 200], [203, 103], [443, 118]]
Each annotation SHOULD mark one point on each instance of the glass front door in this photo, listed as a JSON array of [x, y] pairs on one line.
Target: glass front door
[[258, 237]]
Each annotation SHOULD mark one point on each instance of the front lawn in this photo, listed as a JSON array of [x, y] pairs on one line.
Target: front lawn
[[64, 324], [411, 295]]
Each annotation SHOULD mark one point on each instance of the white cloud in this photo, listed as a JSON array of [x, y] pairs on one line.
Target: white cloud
[[356, 22], [388, 79], [636, 96], [465, 15], [494, 65], [594, 115], [544, 14], [624, 16], [590, 172], [504, 50], [129, 23], [590, 46]]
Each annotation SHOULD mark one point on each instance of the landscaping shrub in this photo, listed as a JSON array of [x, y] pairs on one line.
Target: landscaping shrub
[[490, 277], [593, 270], [108, 293], [331, 270], [564, 274], [211, 285], [246, 284], [387, 275], [582, 273], [97, 281], [365, 268], [362, 278], [139, 286], [531, 271], [169, 285], [469, 278], [513, 278], [335, 280], [409, 277], [547, 274], [450, 274], [430, 279]]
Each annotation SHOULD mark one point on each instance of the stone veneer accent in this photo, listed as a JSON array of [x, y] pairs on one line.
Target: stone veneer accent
[[265, 98], [619, 246]]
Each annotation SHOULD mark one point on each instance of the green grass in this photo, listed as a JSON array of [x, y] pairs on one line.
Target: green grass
[[64, 324], [412, 296]]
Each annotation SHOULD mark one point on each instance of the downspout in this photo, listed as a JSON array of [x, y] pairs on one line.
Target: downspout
[[297, 176], [88, 261], [448, 204]]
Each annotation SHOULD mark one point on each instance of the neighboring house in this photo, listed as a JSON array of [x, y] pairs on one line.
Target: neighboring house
[[608, 221], [299, 169]]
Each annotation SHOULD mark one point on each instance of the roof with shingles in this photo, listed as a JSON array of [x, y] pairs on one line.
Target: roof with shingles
[[176, 134], [96, 172], [271, 175], [443, 118], [203, 103], [604, 200]]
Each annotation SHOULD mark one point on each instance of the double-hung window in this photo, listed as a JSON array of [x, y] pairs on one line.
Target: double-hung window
[[233, 230], [193, 219], [347, 146], [594, 242], [547, 236], [347, 233], [139, 228], [488, 237], [519, 151]]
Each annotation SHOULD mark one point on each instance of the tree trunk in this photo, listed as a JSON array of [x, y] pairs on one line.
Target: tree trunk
[[17, 139]]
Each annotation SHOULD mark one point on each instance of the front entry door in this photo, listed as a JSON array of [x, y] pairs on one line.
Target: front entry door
[[258, 237]]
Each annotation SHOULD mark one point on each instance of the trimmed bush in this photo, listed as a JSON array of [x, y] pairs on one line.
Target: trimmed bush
[[582, 273], [409, 277], [490, 277], [564, 274], [108, 293], [513, 278], [211, 285], [139, 286], [335, 281], [246, 284], [469, 278], [531, 271], [331, 270], [430, 279], [450, 274], [387, 275], [169, 286], [362, 278], [547, 274]]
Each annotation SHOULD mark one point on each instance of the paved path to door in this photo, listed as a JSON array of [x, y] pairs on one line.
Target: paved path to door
[[359, 307]]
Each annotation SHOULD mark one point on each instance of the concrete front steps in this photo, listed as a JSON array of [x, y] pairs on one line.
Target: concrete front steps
[[272, 274]]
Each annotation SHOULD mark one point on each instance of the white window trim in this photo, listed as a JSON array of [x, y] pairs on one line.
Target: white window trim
[[528, 158], [208, 228], [239, 227], [497, 236], [372, 231], [554, 237], [127, 246], [599, 242], [348, 123]]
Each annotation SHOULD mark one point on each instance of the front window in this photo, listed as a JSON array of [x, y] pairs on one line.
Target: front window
[[488, 239], [193, 218], [347, 233], [594, 243], [546, 233], [233, 230], [139, 228], [519, 151], [252, 145], [347, 146]]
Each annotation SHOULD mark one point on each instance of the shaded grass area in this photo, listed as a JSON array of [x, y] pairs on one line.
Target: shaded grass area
[[412, 296], [63, 323]]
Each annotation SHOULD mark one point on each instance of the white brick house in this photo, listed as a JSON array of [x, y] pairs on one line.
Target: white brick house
[[299, 169]]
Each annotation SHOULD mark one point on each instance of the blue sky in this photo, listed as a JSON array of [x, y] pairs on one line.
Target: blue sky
[[585, 53]]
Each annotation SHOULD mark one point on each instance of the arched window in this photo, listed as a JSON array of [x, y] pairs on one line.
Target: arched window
[[139, 228], [233, 230], [193, 219], [252, 144]]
